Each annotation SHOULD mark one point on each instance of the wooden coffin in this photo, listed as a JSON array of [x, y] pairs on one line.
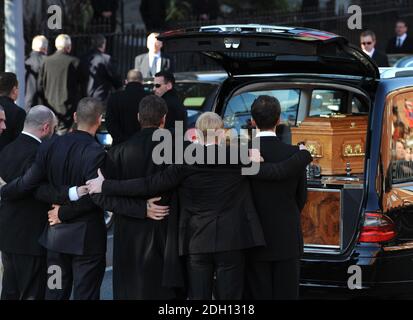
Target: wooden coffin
[[334, 142], [320, 218]]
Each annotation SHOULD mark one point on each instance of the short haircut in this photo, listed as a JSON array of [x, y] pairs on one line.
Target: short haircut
[[402, 21], [38, 116], [151, 111], [266, 111], [62, 41], [98, 41], [39, 43], [8, 81], [367, 33], [168, 76], [134, 75], [209, 121], [88, 111]]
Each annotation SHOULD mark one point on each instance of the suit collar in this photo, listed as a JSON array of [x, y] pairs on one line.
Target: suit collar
[[133, 86], [29, 139], [31, 136]]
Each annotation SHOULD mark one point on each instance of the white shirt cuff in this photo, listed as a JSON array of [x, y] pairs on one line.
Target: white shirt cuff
[[73, 196]]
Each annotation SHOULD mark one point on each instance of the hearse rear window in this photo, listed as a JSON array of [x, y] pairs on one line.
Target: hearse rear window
[[238, 111], [402, 138], [327, 102]]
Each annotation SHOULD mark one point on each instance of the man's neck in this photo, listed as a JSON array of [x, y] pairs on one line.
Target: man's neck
[[90, 130], [33, 133]]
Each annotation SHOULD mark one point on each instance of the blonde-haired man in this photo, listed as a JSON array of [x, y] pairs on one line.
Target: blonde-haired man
[[33, 65], [59, 81], [154, 61]]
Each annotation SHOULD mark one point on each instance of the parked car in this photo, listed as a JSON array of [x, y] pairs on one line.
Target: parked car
[[316, 75], [404, 62]]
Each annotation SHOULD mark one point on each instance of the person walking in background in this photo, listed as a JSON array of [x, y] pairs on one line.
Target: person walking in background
[[368, 45], [163, 86], [401, 43], [98, 71], [9, 92], [154, 61], [122, 108], [33, 65], [60, 83], [22, 222]]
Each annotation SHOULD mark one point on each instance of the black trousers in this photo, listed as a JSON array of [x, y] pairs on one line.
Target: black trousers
[[228, 268], [273, 280], [82, 273], [24, 277]]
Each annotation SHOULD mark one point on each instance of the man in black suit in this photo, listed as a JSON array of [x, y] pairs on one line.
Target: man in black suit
[[217, 218], [59, 81], [98, 71], [9, 92], [75, 239], [163, 86], [401, 43], [22, 222], [273, 271], [2, 120], [154, 61], [368, 45], [33, 64], [122, 108]]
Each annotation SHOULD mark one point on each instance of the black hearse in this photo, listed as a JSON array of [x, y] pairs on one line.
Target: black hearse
[[359, 213]]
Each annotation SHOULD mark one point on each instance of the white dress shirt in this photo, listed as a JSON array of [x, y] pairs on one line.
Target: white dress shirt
[[158, 62], [402, 38], [266, 134]]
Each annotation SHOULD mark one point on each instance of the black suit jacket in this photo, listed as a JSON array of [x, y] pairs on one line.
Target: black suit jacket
[[21, 221], [33, 64], [217, 213], [15, 117], [142, 64], [59, 80], [407, 46], [380, 58], [279, 204], [122, 112], [69, 160], [176, 110], [100, 75]]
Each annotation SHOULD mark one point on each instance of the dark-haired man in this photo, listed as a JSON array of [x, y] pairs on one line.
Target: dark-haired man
[[368, 45], [9, 92], [99, 71], [273, 270], [401, 43], [163, 86]]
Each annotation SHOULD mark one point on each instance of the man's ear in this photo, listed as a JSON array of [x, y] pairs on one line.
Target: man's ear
[[163, 121], [278, 122], [253, 123], [75, 117]]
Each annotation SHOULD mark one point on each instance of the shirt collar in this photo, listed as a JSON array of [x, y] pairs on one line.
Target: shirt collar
[[370, 54], [153, 55], [32, 136], [266, 134], [402, 37]]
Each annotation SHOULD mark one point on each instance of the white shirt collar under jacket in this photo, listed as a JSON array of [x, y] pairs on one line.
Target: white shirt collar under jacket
[[32, 136], [266, 134]]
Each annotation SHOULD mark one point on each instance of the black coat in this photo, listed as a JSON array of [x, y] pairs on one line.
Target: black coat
[[146, 264], [122, 112], [142, 64], [15, 117], [59, 80], [217, 213], [33, 65], [279, 204], [100, 75], [380, 58], [21, 221], [69, 160], [176, 110], [407, 46]]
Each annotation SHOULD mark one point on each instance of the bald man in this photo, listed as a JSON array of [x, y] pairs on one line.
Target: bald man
[[122, 108], [22, 222], [154, 61]]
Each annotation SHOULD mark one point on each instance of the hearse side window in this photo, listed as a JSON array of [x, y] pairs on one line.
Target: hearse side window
[[326, 102], [237, 113], [402, 138]]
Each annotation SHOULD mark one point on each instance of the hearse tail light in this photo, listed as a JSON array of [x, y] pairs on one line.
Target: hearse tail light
[[377, 227]]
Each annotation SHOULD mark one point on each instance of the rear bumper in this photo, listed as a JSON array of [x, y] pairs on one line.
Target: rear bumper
[[383, 274]]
